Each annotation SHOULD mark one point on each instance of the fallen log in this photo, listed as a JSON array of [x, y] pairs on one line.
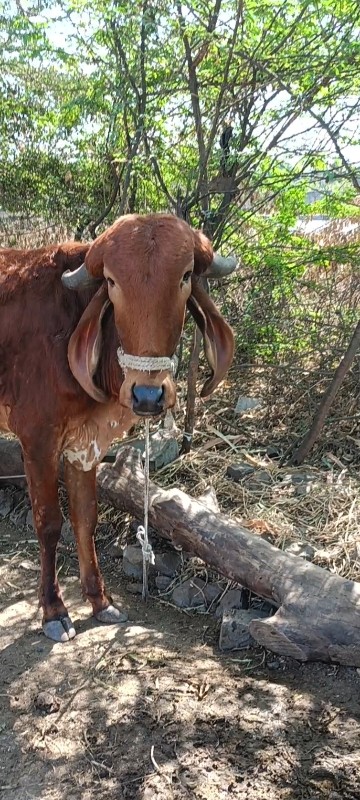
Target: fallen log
[[318, 618], [319, 613]]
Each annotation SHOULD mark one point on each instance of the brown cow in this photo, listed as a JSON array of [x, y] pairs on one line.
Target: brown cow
[[69, 316]]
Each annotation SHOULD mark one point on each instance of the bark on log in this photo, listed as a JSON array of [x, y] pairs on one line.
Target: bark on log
[[319, 613]]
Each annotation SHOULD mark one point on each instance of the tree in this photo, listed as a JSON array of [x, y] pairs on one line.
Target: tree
[[136, 101]]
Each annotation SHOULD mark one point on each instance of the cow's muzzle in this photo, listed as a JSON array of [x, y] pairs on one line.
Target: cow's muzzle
[[148, 401]]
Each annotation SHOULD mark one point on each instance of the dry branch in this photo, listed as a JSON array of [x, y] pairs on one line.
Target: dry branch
[[319, 613], [302, 451]]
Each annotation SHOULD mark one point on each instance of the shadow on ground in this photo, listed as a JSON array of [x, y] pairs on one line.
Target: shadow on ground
[[152, 710]]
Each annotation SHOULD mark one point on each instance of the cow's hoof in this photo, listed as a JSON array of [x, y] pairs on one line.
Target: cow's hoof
[[111, 615], [60, 630]]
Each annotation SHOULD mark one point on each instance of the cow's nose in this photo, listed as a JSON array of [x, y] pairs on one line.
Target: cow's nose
[[148, 401]]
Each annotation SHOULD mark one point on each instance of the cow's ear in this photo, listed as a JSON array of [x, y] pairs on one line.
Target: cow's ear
[[217, 335], [203, 253], [85, 343]]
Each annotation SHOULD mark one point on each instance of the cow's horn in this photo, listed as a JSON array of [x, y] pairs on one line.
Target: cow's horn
[[221, 266], [80, 278]]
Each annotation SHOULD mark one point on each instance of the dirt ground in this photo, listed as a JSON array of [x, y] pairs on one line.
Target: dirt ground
[[153, 711]]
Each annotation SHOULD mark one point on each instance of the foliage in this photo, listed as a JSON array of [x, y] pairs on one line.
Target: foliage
[[223, 112]]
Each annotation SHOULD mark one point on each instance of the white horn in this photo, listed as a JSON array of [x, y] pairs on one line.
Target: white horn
[[220, 266], [80, 278]]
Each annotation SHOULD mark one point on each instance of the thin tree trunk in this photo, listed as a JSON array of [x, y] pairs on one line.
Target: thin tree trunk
[[328, 398], [191, 392]]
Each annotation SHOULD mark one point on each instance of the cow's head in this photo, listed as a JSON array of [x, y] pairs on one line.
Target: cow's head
[[148, 268]]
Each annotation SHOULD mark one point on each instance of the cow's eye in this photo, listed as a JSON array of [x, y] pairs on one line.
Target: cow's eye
[[110, 282], [187, 277]]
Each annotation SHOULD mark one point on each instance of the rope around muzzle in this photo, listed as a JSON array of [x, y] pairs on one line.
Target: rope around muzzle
[[146, 363]]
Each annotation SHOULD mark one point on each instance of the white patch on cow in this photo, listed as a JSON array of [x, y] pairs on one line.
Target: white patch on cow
[[113, 423], [85, 458]]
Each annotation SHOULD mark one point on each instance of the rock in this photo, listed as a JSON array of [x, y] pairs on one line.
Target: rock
[[47, 702], [303, 489], [116, 550], [67, 533], [234, 631], [212, 592], [247, 404], [29, 522], [274, 664], [5, 504], [302, 549], [232, 599], [209, 500], [260, 479], [19, 496], [189, 594], [273, 452], [239, 471], [133, 561], [286, 479], [18, 516], [167, 563], [163, 450], [162, 582], [169, 424], [303, 477], [134, 588], [302, 481], [262, 476]]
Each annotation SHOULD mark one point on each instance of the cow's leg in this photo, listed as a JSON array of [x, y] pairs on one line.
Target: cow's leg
[[42, 476], [81, 488]]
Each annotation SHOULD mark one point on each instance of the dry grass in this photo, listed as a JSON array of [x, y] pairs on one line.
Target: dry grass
[[21, 232], [317, 503]]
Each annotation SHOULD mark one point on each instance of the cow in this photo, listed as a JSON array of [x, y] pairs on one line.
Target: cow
[[87, 333]]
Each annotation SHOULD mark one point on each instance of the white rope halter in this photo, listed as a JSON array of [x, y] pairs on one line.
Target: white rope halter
[[146, 363]]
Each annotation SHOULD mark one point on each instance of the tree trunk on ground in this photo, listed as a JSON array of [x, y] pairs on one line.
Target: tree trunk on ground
[[302, 451], [319, 613]]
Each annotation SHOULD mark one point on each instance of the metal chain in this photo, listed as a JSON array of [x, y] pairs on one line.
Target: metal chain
[[143, 530]]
